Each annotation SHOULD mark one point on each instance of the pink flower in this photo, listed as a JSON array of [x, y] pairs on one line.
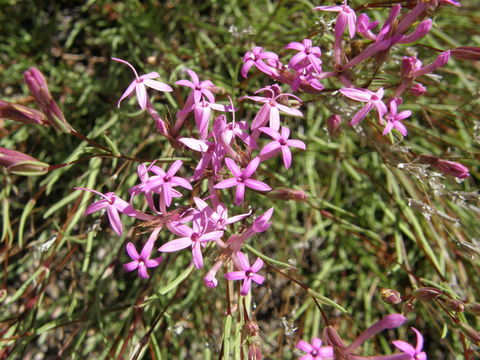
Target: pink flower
[[415, 353], [280, 143], [200, 88], [142, 261], [373, 99], [247, 273], [270, 110], [165, 181], [257, 57], [346, 16], [242, 179], [196, 238], [113, 204], [315, 350], [139, 85], [394, 120], [307, 54]]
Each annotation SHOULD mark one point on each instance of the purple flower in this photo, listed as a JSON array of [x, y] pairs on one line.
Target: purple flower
[[364, 26], [307, 54], [416, 352], [345, 17], [242, 179], [139, 85], [271, 109], [200, 88], [373, 99], [247, 273], [394, 119], [280, 143], [212, 153], [165, 181], [142, 261], [217, 219], [256, 57], [315, 350], [196, 238], [113, 204]]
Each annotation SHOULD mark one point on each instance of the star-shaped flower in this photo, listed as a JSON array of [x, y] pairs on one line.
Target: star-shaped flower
[[247, 273], [142, 261], [139, 85], [416, 352]]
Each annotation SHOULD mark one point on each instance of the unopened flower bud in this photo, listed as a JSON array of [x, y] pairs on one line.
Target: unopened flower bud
[[440, 61], [39, 90], [474, 308], [455, 305], [21, 114], [252, 328], [422, 29], [391, 296], [334, 123], [21, 164], [417, 89], [332, 338], [409, 65], [408, 307], [287, 194], [426, 293], [471, 333], [254, 352], [447, 167], [466, 53]]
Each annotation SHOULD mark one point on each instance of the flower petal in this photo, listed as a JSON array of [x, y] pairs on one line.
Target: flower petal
[[114, 219], [175, 245]]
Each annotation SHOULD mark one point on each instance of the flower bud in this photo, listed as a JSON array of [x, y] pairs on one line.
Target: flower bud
[[455, 305], [466, 53], [287, 194], [252, 328], [334, 123], [409, 65], [262, 223], [417, 89], [332, 338], [21, 164], [422, 29], [408, 307], [39, 89], [21, 114], [254, 352], [391, 296], [474, 308], [426, 293], [447, 167], [440, 61], [471, 333]]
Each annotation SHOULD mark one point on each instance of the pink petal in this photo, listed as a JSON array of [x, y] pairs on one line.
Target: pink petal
[[329, 8], [296, 143], [186, 83], [257, 185], [419, 345], [228, 183], [388, 128], [114, 219], [142, 271], [244, 264], [356, 94], [151, 263], [270, 132], [235, 275], [287, 156], [131, 251], [405, 347], [239, 193], [157, 85], [130, 266], [304, 346], [175, 245], [246, 286], [214, 235], [295, 46], [232, 166], [251, 167], [401, 128], [181, 182], [289, 111], [150, 75], [96, 206], [194, 144], [269, 150], [262, 117], [246, 67], [141, 95], [197, 255], [174, 168], [259, 279], [257, 265], [194, 76], [127, 92], [360, 115]]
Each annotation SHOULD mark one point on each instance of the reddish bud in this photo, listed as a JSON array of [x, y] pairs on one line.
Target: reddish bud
[[417, 89], [447, 167], [39, 89], [426, 293], [391, 296], [408, 307], [455, 305], [474, 308], [471, 333], [21, 164], [466, 53], [287, 194], [334, 123], [21, 114], [254, 352]]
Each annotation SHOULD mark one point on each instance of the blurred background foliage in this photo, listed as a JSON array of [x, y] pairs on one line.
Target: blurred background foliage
[[368, 224]]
